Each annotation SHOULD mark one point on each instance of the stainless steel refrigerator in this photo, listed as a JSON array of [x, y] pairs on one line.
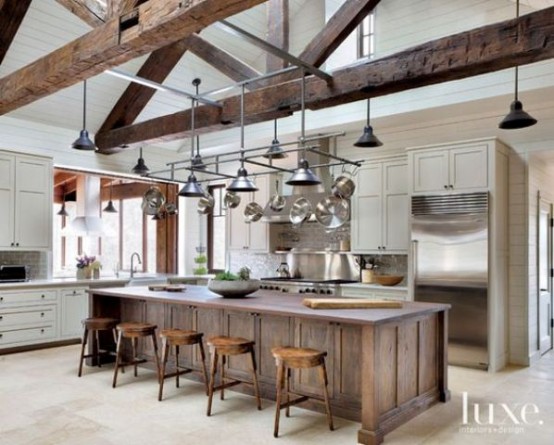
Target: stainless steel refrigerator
[[450, 261]]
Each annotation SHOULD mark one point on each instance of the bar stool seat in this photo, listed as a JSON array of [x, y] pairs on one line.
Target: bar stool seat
[[95, 325], [134, 331], [287, 357], [227, 346], [177, 338]]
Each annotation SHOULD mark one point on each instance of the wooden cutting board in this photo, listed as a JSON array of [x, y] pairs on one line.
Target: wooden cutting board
[[349, 303], [167, 287]]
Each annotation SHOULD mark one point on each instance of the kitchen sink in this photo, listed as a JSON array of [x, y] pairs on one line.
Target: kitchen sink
[[146, 279]]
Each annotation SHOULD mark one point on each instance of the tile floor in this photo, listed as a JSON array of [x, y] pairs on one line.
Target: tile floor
[[42, 401]]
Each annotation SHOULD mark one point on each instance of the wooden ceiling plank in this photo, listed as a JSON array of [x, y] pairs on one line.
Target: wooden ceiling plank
[[11, 16], [155, 24], [92, 12], [277, 32], [135, 98], [482, 50]]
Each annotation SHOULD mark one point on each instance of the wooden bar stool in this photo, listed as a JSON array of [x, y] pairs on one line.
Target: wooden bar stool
[[94, 325], [298, 358], [134, 331], [224, 346], [177, 338]]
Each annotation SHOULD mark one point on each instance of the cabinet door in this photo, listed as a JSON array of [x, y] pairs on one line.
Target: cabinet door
[[210, 323], [238, 230], [317, 335], [33, 203], [74, 308], [271, 331], [259, 231], [430, 171], [347, 384], [239, 324], [7, 193], [395, 206], [469, 167], [180, 317], [366, 209]]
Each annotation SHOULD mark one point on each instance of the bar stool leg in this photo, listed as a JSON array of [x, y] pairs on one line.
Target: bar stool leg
[[134, 342], [255, 380], [203, 356], [97, 348], [83, 346], [223, 361], [117, 358], [280, 382], [177, 366], [213, 369], [165, 353], [323, 375], [287, 412], [156, 355]]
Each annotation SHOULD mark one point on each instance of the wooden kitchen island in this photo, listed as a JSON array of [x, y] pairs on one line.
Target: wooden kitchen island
[[385, 366]]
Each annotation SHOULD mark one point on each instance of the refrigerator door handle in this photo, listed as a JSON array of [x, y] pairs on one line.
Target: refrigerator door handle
[[414, 260]]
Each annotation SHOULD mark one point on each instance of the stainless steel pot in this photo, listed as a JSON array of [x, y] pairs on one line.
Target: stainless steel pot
[[231, 200], [277, 201], [300, 211], [205, 204], [332, 212], [343, 187], [253, 212], [152, 201]]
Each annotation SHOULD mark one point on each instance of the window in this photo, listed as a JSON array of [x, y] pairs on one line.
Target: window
[[216, 231], [366, 37]]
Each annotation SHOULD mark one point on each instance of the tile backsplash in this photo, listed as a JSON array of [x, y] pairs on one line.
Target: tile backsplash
[[38, 262]]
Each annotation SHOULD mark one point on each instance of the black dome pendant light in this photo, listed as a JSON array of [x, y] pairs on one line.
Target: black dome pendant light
[[140, 168], [110, 208], [63, 211], [275, 151], [303, 175], [242, 183], [83, 142], [517, 117], [192, 189], [368, 138]]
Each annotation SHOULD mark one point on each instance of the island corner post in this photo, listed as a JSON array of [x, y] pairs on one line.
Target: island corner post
[[385, 365]]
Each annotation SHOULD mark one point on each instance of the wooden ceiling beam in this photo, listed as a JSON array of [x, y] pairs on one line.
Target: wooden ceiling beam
[[470, 53], [154, 24], [92, 12], [158, 66], [277, 32], [11, 16]]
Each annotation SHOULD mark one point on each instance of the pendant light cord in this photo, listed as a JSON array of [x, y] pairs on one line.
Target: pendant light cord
[[368, 102], [517, 68], [242, 125], [196, 83], [84, 104], [192, 135], [275, 130]]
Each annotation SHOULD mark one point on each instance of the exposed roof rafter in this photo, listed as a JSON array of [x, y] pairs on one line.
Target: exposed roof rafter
[[12, 13], [92, 12]]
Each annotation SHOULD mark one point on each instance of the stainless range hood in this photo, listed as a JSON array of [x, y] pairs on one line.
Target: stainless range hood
[[313, 193]]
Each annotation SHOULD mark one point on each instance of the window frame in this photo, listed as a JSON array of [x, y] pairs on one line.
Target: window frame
[[210, 228], [370, 36]]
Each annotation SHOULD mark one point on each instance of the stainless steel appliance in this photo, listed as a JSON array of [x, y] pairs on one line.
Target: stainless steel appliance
[[11, 273], [450, 260], [304, 286]]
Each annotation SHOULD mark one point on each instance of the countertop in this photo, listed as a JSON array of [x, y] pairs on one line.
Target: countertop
[[100, 282], [269, 302]]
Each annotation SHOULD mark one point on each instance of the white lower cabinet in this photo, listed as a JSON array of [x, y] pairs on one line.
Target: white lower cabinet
[[74, 308], [29, 317]]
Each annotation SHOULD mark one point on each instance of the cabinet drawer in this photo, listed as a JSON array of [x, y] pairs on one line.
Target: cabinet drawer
[[47, 332], [12, 298], [27, 316]]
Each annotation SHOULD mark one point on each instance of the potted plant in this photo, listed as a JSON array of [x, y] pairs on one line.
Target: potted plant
[[229, 285], [84, 269], [200, 260]]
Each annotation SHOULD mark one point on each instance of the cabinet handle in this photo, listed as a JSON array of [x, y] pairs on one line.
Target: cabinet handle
[[42, 331], [12, 244], [451, 187], [445, 186], [74, 292], [42, 314], [1, 317], [1, 298], [17, 244], [42, 296], [1, 335]]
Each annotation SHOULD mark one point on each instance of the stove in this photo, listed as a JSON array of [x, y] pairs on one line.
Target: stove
[[304, 285]]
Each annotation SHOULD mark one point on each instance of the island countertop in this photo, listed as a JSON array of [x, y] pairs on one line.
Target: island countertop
[[277, 303]]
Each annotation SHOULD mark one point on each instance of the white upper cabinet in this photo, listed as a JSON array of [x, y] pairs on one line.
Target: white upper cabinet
[[380, 208], [254, 236], [450, 168], [26, 199]]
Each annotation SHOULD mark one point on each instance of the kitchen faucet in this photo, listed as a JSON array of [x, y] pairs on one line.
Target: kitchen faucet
[[138, 259]]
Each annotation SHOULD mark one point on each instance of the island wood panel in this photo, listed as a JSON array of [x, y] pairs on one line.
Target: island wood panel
[[239, 324], [210, 323], [180, 317], [385, 366]]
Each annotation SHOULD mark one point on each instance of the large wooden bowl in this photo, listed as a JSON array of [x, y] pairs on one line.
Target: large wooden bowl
[[388, 280], [233, 289]]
